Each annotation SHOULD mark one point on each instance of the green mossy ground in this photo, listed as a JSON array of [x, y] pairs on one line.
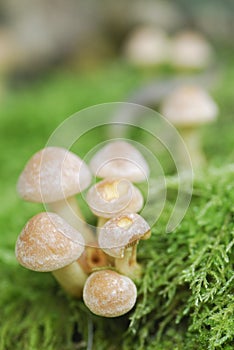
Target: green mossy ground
[[186, 296]]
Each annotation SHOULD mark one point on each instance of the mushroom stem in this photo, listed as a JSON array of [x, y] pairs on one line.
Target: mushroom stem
[[191, 138], [128, 264], [101, 221], [69, 210], [72, 278]]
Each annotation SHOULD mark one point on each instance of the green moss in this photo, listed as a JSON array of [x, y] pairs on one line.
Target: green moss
[[185, 298]]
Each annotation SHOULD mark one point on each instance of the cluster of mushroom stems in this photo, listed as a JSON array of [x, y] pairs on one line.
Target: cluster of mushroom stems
[[99, 263]]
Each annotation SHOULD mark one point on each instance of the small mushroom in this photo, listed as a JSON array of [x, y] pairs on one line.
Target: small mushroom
[[146, 46], [53, 176], [111, 197], [48, 243], [190, 50], [109, 294], [119, 159], [119, 238], [187, 108]]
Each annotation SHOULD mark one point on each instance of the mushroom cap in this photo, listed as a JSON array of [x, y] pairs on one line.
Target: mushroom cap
[[109, 294], [48, 243], [189, 106], [146, 46], [191, 50], [53, 174], [120, 159], [111, 197], [121, 232]]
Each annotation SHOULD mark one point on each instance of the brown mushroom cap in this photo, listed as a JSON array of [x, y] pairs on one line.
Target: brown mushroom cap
[[53, 174], [48, 243], [110, 197], [120, 159], [120, 232], [189, 106], [109, 294]]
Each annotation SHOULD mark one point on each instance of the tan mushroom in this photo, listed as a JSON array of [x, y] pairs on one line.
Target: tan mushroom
[[109, 294], [190, 50], [119, 238], [187, 108], [147, 46], [111, 197], [119, 159], [49, 243], [53, 176]]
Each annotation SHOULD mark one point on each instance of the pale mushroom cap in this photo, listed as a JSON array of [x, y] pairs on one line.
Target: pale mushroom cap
[[48, 243], [189, 106], [146, 46], [121, 232], [191, 50], [111, 197], [53, 174], [120, 159], [109, 294]]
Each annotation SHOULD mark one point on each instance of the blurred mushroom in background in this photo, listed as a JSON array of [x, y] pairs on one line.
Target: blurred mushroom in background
[[189, 107], [147, 46], [190, 50]]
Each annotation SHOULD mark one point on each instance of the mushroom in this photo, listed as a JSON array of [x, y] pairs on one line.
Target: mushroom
[[119, 238], [48, 243], [190, 50], [187, 108], [121, 160], [53, 176], [146, 46], [109, 294], [111, 197]]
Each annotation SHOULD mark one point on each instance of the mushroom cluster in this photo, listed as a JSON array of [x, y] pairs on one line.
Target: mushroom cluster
[[100, 265], [149, 46]]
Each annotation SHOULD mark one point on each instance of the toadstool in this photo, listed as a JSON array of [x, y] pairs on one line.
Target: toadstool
[[119, 238], [187, 108], [119, 159], [190, 50], [49, 243], [146, 46], [109, 294], [112, 196], [53, 176]]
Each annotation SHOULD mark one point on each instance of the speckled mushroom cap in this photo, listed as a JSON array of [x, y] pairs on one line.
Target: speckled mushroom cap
[[109, 294], [146, 45], [120, 159], [189, 106], [53, 174], [121, 232], [111, 197], [48, 243], [191, 50]]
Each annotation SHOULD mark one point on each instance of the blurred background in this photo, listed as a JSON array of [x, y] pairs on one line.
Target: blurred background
[[59, 56], [37, 36]]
